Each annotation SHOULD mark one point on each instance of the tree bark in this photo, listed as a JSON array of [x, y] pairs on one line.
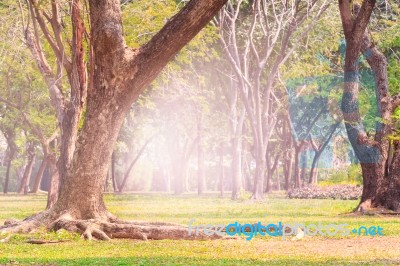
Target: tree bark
[[24, 185], [271, 168], [297, 181], [54, 183], [39, 175], [391, 199], [288, 160], [258, 186], [113, 177], [11, 154]]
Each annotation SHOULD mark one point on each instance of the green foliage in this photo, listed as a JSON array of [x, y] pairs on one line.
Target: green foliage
[[350, 175], [143, 19]]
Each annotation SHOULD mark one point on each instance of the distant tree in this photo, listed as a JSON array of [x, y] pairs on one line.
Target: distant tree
[[258, 37]]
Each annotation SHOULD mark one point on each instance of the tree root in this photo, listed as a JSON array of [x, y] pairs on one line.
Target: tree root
[[367, 207], [103, 228], [132, 230]]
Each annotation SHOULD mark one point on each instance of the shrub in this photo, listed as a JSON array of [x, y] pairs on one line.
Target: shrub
[[351, 175], [344, 192]]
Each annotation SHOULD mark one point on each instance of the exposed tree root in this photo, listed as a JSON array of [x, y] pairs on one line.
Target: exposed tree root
[[368, 208], [102, 228]]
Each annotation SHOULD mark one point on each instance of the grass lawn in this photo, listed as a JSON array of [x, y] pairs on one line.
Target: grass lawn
[[310, 250]]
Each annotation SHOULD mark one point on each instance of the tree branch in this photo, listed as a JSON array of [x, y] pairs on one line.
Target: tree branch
[[178, 31]]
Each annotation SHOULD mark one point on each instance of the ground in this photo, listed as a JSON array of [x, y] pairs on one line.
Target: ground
[[209, 209]]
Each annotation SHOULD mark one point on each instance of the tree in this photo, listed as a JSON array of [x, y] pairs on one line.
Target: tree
[[132, 164], [319, 148], [258, 37], [116, 77], [9, 134], [381, 181]]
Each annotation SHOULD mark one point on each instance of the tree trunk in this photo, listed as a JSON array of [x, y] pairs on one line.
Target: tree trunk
[[246, 172], [258, 188], [391, 199], [296, 167], [237, 129], [313, 173], [39, 175], [236, 167], [114, 181], [303, 167], [54, 184], [9, 162], [82, 188], [278, 181], [180, 172], [288, 170], [270, 173], [201, 182], [221, 171], [318, 152], [24, 186], [373, 153], [132, 164]]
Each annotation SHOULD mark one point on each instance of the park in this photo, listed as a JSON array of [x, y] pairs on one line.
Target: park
[[199, 132]]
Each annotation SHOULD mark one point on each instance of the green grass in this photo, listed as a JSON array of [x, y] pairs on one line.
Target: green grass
[[351, 250]]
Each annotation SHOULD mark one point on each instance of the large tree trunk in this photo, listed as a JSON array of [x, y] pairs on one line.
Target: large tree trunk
[[81, 191], [372, 172], [391, 199]]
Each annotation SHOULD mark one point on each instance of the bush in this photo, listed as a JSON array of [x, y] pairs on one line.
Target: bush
[[343, 192], [351, 175]]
